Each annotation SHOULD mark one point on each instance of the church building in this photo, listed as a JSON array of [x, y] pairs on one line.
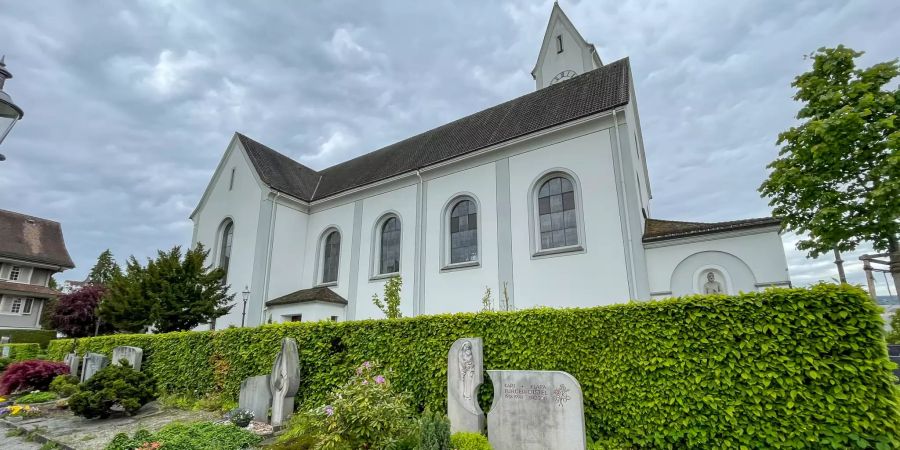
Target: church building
[[544, 199]]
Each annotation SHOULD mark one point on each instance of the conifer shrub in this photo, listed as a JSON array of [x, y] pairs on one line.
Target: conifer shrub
[[30, 375], [64, 385], [434, 432], [118, 385]]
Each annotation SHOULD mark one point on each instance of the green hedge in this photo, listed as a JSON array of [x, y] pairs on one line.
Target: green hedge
[[21, 352], [42, 337], [784, 368]]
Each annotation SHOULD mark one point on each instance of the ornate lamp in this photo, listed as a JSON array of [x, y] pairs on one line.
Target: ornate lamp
[[246, 295], [10, 113]]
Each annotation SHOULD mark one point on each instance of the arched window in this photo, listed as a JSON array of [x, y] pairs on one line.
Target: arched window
[[225, 240], [331, 256], [462, 232], [557, 213], [389, 246]]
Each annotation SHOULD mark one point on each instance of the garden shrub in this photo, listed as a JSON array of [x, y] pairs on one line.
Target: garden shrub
[[22, 352], [779, 368], [64, 385], [364, 413], [241, 417], [194, 436], [111, 386], [4, 362], [30, 375], [40, 337], [469, 441], [36, 397], [434, 432]]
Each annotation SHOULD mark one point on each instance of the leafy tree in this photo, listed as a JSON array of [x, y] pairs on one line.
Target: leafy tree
[[75, 314], [390, 306], [173, 292], [105, 269], [835, 180]]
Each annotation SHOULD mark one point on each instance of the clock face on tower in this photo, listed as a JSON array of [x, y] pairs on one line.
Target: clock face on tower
[[563, 76]]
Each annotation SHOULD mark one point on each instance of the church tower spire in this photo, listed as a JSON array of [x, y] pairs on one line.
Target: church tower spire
[[564, 53]]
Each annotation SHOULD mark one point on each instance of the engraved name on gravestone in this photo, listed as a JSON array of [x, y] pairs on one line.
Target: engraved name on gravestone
[[285, 381], [73, 361], [536, 410], [133, 355], [465, 373], [93, 362], [256, 395]]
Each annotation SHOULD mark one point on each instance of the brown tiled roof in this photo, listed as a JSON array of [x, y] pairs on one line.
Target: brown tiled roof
[[660, 230], [316, 294], [27, 289], [596, 91], [32, 239]]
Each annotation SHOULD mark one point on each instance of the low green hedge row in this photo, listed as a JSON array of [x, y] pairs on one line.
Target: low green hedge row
[[42, 337], [21, 352], [785, 368]]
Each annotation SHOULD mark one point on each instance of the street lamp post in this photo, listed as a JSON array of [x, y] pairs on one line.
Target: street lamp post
[[246, 295], [9, 112]]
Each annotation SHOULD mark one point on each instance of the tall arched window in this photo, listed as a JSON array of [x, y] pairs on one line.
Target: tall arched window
[[463, 232], [557, 213], [225, 240], [331, 256], [389, 246]]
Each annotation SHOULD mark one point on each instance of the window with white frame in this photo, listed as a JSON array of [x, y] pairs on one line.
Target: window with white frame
[[556, 213], [461, 235], [14, 273], [331, 256], [387, 244], [16, 307], [26, 307], [225, 241]]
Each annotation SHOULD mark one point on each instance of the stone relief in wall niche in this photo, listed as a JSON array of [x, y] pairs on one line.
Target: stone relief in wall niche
[[712, 286]]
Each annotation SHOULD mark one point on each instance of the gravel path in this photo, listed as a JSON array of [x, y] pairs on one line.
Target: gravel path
[[17, 443]]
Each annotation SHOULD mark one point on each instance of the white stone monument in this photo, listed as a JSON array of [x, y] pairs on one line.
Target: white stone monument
[[93, 362], [256, 395], [285, 381], [73, 361], [134, 356], [536, 410], [5, 352], [465, 373]]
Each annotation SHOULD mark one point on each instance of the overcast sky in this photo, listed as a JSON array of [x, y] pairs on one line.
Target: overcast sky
[[130, 105]]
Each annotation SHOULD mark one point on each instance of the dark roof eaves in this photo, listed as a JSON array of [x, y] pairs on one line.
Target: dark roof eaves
[[767, 223]]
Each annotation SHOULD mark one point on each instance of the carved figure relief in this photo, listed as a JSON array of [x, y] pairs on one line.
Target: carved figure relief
[[466, 370], [712, 286]]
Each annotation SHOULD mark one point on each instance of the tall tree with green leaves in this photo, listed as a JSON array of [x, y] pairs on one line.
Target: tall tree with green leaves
[[124, 305], [836, 181], [390, 306], [105, 269]]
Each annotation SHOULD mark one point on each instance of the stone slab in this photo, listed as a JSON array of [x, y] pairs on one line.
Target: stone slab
[[134, 356], [93, 362], [256, 395], [536, 410], [285, 381], [465, 373], [74, 362]]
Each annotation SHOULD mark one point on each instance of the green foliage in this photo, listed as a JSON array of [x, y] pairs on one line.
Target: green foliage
[[194, 436], [36, 397], [835, 181], [113, 385], [40, 337], [5, 362], [434, 432], [104, 270], [894, 336], [487, 304], [240, 417], [390, 306], [173, 292], [469, 441], [364, 413], [64, 385], [784, 367], [22, 352]]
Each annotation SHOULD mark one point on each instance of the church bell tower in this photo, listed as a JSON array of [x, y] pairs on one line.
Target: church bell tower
[[564, 53]]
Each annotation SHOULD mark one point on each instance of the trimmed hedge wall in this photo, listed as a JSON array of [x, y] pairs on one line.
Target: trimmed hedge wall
[[786, 368], [42, 337], [21, 352]]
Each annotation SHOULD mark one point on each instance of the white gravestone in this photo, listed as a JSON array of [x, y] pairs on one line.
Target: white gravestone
[[536, 410], [93, 362], [285, 381], [465, 373], [256, 395], [73, 361], [5, 351], [134, 356]]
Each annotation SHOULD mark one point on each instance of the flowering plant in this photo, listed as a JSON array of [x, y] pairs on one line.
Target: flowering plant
[[240, 416], [19, 411], [364, 413]]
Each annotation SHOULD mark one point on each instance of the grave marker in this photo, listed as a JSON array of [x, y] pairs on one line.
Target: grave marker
[[285, 381], [134, 356], [256, 395], [465, 373], [93, 362]]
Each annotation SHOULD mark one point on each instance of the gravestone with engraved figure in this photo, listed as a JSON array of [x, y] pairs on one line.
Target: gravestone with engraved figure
[[465, 373]]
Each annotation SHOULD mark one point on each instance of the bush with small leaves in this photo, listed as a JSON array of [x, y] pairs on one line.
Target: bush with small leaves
[[434, 432], [240, 417], [469, 441], [36, 397], [30, 375], [194, 436], [112, 386], [64, 385]]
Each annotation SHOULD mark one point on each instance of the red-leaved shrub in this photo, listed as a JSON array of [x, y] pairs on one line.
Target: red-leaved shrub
[[34, 374]]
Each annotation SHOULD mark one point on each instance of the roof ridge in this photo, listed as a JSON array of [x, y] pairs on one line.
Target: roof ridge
[[16, 213], [266, 147]]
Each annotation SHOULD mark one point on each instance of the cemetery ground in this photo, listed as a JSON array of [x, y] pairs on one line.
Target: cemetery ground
[[784, 368]]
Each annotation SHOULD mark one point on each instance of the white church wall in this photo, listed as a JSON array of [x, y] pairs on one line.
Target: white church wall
[[594, 276], [402, 202], [752, 261], [341, 218], [310, 312], [460, 289], [239, 202], [289, 249]]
